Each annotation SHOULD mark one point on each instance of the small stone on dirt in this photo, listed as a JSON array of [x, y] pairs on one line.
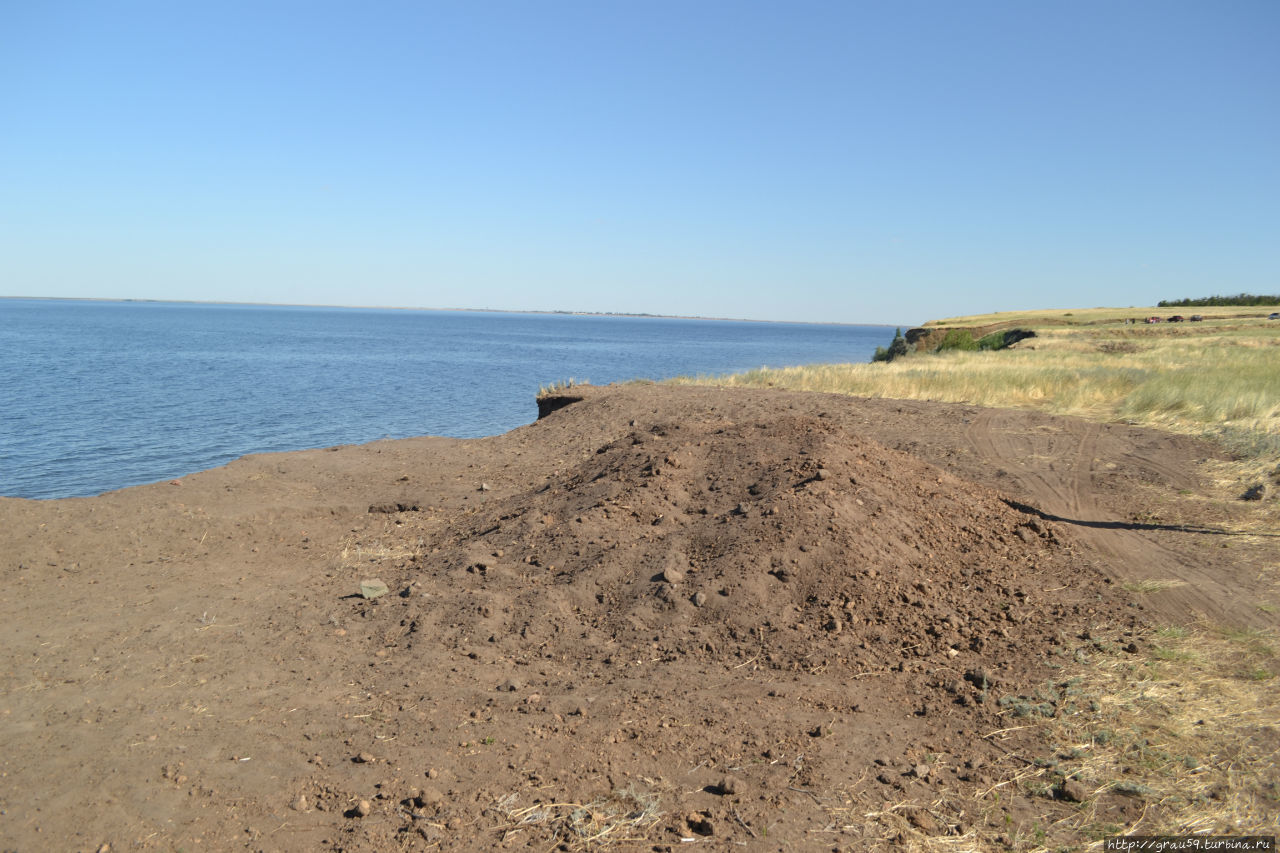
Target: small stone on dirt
[[822, 474], [672, 575], [300, 804], [980, 678], [398, 506], [429, 798], [373, 588], [1072, 791], [362, 808], [729, 785], [701, 823], [699, 599], [364, 758], [921, 820]]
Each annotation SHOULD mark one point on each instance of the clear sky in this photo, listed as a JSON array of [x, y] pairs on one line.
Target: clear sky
[[846, 161]]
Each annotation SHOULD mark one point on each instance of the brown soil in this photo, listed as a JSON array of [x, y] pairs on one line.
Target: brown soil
[[746, 618]]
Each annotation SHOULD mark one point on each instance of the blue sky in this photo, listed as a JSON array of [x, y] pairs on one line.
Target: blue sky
[[835, 161]]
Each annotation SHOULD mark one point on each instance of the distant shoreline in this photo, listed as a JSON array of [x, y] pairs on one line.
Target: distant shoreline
[[642, 316]]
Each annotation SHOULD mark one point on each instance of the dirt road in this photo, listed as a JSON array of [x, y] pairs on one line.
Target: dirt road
[[1062, 469]]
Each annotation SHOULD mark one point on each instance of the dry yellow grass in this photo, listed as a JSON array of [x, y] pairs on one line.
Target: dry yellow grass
[[353, 553], [1085, 316], [1218, 379], [560, 386], [1180, 729]]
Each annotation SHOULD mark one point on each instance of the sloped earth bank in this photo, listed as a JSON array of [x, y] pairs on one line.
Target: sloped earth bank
[[657, 617]]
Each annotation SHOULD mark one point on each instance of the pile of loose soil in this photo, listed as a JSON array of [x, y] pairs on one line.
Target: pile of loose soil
[[656, 615]]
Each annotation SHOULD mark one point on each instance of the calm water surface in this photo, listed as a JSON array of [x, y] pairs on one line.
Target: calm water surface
[[100, 395]]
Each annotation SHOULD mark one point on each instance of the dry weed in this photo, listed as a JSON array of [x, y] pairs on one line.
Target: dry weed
[[1192, 730], [623, 817]]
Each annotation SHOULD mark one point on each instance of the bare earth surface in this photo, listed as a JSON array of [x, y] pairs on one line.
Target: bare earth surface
[[658, 617]]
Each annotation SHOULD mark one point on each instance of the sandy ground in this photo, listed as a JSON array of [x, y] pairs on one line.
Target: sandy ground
[[658, 617]]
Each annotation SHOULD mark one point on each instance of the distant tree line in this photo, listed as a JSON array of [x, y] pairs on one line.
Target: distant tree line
[[1238, 299]]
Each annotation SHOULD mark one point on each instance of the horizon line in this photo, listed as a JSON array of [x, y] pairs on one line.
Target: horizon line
[[550, 311]]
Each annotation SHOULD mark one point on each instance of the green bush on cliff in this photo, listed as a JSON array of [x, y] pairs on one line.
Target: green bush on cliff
[[995, 340], [961, 339]]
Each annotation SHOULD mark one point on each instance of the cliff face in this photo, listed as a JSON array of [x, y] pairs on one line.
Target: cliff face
[[920, 338]]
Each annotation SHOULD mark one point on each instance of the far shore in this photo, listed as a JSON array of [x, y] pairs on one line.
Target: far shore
[[568, 313]]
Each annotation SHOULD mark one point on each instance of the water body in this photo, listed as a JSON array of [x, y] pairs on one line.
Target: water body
[[97, 396]]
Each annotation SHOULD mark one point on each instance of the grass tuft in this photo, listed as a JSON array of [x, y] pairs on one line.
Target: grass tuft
[[560, 386]]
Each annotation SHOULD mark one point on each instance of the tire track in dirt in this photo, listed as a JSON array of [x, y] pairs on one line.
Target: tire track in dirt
[[1055, 468]]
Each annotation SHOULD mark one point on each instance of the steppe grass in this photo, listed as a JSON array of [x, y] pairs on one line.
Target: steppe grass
[[1086, 316], [1218, 379], [1183, 730]]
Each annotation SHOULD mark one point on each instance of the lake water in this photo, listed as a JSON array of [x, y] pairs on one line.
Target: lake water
[[96, 396]]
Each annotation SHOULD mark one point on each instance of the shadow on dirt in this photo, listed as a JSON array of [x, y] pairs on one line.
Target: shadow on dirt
[[1128, 525]]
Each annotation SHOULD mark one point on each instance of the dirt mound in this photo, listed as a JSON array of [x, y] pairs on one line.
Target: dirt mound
[[786, 540], [654, 615], [778, 601]]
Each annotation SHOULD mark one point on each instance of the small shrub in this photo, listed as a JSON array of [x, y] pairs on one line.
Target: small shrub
[[995, 340], [1000, 340], [961, 339], [897, 347]]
